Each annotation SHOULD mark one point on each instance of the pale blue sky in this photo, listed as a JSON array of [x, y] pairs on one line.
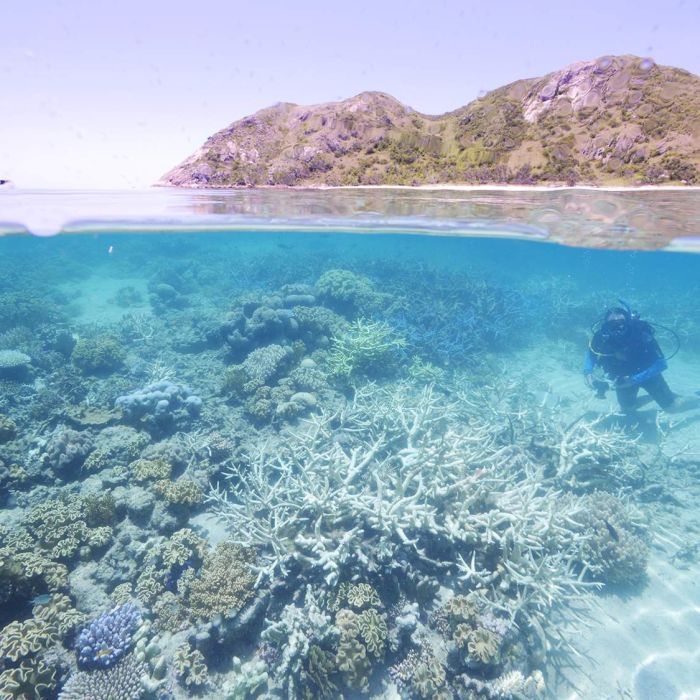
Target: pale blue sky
[[112, 94]]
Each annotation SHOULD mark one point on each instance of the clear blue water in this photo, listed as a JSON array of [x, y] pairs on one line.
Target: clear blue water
[[299, 445]]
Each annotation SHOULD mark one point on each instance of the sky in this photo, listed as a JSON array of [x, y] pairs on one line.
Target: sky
[[104, 94]]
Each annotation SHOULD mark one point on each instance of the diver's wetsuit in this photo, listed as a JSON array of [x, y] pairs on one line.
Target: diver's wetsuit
[[635, 355]]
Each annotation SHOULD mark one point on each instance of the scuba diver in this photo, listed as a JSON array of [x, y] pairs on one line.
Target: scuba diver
[[625, 347]]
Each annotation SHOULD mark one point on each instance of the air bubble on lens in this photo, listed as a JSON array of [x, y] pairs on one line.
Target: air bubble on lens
[[647, 63]]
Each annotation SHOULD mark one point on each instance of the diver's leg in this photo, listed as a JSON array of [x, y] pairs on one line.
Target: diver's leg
[[627, 398], [658, 388]]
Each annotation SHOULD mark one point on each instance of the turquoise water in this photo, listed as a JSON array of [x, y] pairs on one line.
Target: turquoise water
[[298, 445]]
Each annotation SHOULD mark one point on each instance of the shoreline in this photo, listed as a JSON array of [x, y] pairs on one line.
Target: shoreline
[[437, 187], [441, 187]]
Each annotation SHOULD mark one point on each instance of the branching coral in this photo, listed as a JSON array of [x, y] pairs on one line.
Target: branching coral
[[366, 349], [416, 473], [593, 457]]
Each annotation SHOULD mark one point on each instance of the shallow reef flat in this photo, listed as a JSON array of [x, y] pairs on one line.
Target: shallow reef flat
[[324, 466]]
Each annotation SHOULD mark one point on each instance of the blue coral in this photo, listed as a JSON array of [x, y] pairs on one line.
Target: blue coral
[[109, 637]]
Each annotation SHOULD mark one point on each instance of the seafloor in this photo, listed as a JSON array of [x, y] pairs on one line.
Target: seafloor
[[325, 466]]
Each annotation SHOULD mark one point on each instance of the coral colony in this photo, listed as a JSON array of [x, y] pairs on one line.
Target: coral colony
[[298, 481]]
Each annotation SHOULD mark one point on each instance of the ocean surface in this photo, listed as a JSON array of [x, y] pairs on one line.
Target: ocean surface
[[307, 444]]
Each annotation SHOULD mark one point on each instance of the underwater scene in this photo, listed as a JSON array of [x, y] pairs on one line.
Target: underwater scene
[[335, 464]]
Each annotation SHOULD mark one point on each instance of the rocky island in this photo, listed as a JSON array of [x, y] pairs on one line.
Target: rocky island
[[618, 120]]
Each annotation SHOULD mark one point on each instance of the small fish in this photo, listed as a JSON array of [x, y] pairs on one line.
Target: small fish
[[43, 599], [101, 653], [611, 530]]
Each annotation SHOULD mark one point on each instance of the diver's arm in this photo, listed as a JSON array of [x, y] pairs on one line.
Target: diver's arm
[[653, 370]]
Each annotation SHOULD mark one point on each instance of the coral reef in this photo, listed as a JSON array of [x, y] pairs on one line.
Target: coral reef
[[66, 451], [190, 666], [119, 682], [65, 527], [615, 550], [14, 364], [8, 429], [159, 405], [367, 349], [347, 293], [99, 355]]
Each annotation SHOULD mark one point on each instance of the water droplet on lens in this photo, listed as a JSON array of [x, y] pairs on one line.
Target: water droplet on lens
[[647, 63], [603, 63]]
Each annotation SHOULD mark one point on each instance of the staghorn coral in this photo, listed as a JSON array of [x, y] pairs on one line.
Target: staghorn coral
[[366, 349], [120, 682], [404, 477]]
